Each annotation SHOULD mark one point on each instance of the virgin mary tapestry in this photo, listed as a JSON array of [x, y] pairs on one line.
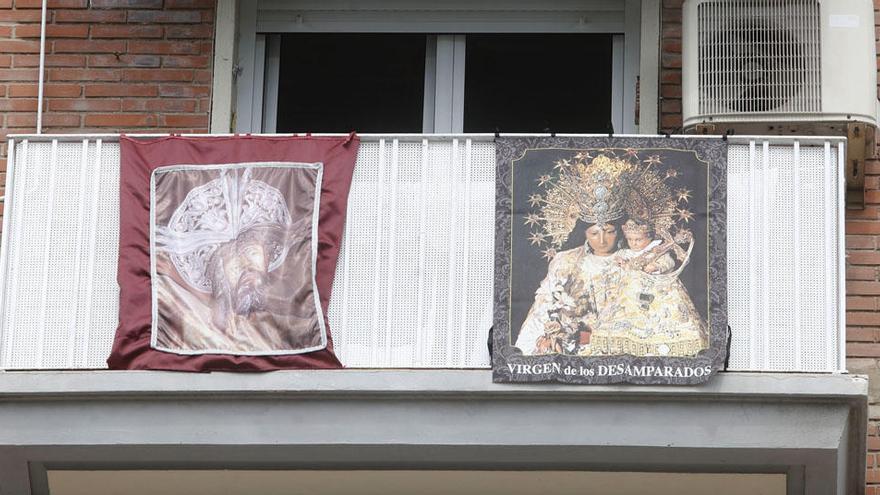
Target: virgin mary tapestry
[[610, 260], [227, 251]]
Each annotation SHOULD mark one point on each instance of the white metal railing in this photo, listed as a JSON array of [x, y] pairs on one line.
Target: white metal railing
[[413, 286]]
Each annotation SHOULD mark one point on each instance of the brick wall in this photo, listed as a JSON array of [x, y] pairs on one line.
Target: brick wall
[[862, 245], [863, 299], [111, 65], [670, 66]]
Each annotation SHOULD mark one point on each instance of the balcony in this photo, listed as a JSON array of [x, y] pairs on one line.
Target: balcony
[[412, 302], [413, 287]]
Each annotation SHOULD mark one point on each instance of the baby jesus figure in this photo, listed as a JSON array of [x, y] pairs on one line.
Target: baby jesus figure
[[644, 252]]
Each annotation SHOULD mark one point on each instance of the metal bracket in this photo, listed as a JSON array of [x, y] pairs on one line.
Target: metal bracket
[[860, 143]]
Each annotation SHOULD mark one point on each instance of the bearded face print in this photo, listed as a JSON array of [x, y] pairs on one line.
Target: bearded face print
[[233, 251]]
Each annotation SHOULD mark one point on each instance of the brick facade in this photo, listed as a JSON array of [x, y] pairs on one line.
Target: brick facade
[[863, 298], [111, 66], [145, 65]]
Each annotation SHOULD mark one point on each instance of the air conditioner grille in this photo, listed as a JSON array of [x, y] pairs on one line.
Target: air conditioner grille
[[759, 56]]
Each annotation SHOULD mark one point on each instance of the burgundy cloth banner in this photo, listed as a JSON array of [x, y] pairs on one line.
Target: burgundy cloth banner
[[227, 251]]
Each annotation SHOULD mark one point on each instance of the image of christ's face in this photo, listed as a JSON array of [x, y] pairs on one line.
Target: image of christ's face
[[245, 271], [234, 267], [602, 239], [239, 277]]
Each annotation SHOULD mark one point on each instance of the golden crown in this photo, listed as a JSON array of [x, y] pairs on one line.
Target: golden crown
[[631, 227], [600, 186]]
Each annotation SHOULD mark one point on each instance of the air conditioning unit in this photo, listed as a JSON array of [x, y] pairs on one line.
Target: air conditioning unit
[[804, 67], [754, 65]]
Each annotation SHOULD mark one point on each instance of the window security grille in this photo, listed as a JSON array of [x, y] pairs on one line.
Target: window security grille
[[413, 287]]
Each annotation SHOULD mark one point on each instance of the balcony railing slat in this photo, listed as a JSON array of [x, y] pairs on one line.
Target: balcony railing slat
[[47, 247], [464, 293], [392, 241], [830, 248], [7, 281], [13, 270], [374, 336], [77, 267], [753, 261], [93, 241], [420, 294], [840, 251], [796, 254], [765, 250], [450, 293]]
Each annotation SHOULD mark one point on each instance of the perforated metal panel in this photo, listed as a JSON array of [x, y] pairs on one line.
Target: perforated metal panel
[[60, 248], [414, 283], [413, 286], [784, 256]]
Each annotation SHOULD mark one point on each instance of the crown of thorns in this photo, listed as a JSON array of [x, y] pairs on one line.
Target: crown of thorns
[[233, 206]]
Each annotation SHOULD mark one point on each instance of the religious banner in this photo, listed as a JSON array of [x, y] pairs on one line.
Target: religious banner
[[610, 260], [228, 248]]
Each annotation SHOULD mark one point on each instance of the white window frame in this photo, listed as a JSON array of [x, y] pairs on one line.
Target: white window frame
[[259, 22]]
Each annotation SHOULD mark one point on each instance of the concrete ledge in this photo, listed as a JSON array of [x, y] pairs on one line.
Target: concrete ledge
[[105, 383], [811, 427]]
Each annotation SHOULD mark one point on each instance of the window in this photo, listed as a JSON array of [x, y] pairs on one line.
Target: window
[[325, 86], [538, 83], [433, 67]]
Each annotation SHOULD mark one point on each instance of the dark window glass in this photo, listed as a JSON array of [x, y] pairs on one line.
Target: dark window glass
[[536, 82], [344, 82]]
